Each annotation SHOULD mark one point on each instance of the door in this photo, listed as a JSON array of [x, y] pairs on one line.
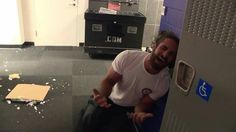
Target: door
[[57, 22], [202, 93]]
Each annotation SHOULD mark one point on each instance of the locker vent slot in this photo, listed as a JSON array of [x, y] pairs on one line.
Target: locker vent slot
[[175, 124], [214, 20], [184, 77]]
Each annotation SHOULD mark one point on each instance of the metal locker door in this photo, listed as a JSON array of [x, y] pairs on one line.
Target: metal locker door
[[203, 89]]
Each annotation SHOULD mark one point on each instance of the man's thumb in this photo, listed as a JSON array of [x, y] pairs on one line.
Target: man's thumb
[[148, 115], [95, 92]]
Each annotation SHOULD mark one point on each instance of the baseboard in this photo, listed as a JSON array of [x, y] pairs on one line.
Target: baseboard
[[81, 44], [27, 44], [24, 45]]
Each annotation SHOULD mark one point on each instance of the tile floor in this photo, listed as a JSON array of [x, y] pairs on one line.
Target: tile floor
[[70, 72]]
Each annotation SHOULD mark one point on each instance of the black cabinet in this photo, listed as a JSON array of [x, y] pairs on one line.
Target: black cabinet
[[111, 34]]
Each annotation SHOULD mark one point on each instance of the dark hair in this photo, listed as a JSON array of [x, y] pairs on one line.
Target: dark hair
[[163, 35]]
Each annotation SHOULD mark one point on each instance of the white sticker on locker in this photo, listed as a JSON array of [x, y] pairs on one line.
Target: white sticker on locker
[[97, 27], [132, 30]]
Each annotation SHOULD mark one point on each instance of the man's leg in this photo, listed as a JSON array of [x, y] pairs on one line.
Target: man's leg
[[92, 118], [120, 123], [119, 120]]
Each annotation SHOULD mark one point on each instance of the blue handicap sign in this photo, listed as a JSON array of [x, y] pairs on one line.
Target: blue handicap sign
[[204, 89]]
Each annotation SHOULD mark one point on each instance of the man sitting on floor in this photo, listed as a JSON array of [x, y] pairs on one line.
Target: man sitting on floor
[[133, 83]]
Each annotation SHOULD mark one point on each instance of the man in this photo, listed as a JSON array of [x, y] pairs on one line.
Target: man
[[133, 83]]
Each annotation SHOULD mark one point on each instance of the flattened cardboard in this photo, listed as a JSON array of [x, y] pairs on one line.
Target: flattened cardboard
[[28, 92]]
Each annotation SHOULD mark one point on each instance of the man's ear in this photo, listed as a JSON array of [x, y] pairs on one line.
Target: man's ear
[[153, 46]]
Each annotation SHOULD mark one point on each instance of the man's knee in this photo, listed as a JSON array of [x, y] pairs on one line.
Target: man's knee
[[90, 117]]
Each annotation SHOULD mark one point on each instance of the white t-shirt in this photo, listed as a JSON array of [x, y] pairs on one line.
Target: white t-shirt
[[136, 81]]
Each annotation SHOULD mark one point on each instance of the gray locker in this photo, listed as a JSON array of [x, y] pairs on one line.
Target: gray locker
[[202, 97]]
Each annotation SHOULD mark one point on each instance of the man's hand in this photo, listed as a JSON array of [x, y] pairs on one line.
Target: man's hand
[[139, 117], [100, 100]]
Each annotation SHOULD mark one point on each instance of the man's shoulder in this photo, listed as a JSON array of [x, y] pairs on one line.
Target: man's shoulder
[[165, 73], [135, 53], [134, 56]]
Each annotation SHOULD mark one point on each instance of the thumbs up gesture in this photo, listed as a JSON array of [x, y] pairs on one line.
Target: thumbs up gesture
[[100, 100]]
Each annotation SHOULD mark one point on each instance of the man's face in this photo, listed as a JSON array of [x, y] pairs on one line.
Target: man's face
[[163, 54]]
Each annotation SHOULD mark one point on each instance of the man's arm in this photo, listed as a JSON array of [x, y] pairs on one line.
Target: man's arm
[[145, 104], [109, 81], [142, 109], [100, 96]]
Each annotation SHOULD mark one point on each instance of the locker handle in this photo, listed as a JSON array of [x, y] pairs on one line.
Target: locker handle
[[184, 77]]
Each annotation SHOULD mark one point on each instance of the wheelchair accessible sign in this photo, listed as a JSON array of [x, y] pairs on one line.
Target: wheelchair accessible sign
[[204, 90]]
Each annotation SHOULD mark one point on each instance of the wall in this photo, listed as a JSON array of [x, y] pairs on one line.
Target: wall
[[81, 21], [152, 9], [174, 16], [11, 24], [28, 11]]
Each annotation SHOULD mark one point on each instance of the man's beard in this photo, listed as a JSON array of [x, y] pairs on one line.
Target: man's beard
[[156, 62]]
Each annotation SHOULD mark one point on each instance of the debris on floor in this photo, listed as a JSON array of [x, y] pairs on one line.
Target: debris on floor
[[43, 102], [31, 102], [14, 76], [18, 108], [9, 101], [36, 108]]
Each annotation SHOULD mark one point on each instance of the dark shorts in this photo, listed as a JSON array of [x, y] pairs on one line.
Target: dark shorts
[[114, 119]]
